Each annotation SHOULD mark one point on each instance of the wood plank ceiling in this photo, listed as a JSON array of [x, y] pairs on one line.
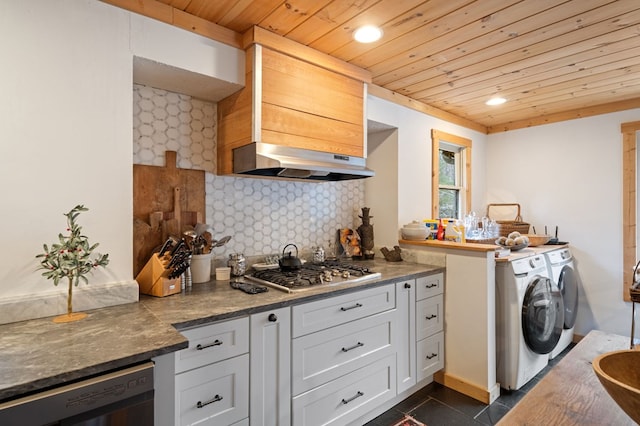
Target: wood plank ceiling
[[551, 59]]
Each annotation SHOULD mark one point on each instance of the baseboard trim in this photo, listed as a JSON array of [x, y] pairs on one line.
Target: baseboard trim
[[46, 304], [486, 396]]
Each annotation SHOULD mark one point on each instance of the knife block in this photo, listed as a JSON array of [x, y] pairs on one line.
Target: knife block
[[152, 281]]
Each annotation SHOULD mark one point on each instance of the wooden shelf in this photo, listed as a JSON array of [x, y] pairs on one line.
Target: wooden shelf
[[450, 245]]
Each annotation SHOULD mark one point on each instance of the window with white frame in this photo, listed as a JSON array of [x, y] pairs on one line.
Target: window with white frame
[[451, 183]]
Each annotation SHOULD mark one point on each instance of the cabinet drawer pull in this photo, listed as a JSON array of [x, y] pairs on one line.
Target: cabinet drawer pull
[[357, 305], [407, 285], [432, 285], [357, 345], [216, 398], [358, 395], [432, 316], [432, 355], [215, 343], [273, 318]]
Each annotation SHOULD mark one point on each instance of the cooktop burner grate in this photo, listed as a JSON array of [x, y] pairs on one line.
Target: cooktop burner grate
[[314, 274]]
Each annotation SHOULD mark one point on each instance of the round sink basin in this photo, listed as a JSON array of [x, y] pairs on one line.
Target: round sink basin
[[619, 373]]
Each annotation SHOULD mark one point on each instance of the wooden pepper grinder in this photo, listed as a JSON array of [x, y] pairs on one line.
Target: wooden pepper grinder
[[366, 234]]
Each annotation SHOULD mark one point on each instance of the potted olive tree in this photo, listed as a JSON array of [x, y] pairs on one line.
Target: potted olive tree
[[71, 258]]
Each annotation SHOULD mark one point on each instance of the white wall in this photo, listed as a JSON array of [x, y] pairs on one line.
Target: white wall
[[414, 158], [569, 174], [66, 134], [380, 189]]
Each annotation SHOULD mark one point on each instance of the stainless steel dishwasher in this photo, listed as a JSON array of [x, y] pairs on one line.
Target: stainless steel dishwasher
[[120, 398]]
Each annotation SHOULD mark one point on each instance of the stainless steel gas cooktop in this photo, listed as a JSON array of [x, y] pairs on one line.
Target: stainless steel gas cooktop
[[312, 275]]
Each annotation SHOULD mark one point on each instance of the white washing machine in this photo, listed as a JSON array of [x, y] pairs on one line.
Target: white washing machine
[[529, 318], [563, 272]]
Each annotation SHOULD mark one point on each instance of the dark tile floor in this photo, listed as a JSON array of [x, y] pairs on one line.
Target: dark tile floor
[[436, 405]]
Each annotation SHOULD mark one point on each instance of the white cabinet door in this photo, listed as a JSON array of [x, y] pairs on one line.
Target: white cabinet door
[[270, 368], [322, 314], [429, 316], [430, 355], [406, 334], [216, 394], [345, 399], [430, 285], [214, 342], [328, 354]]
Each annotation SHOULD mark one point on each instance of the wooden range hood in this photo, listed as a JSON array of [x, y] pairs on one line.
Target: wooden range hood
[[301, 114]]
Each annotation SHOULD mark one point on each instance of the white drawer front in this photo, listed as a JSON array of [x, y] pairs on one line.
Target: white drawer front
[[347, 398], [221, 390], [212, 343], [323, 356], [429, 286], [430, 355], [429, 316], [325, 313]]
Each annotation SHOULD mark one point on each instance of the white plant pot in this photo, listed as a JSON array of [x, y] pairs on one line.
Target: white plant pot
[[201, 268]]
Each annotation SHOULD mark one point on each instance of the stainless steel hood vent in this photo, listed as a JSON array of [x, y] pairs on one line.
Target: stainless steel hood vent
[[263, 159]]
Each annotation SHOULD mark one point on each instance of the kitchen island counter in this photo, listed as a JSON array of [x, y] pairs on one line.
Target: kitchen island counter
[[38, 354]]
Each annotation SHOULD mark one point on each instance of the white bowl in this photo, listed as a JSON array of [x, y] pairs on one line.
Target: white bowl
[[415, 225], [415, 233]]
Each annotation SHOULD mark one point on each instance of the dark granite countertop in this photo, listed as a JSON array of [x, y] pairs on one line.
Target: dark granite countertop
[[216, 300], [39, 354]]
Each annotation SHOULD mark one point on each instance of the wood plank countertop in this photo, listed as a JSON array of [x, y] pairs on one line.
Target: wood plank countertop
[[571, 394], [450, 245], [529, 251]]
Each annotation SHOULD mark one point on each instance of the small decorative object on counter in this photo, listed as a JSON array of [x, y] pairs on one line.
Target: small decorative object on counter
[[432, 226], [288, 262], [394, 255], [350, 242], [366, 234], [71, 258], [440, 233], [223, 273], [331, 254], [238, 264], [318, 254]]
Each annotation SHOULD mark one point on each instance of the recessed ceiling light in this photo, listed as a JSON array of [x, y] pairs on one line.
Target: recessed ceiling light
[[367, 34], [496, 101]]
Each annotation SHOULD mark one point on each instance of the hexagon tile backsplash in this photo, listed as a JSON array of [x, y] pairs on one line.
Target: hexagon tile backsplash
[[261, 215]]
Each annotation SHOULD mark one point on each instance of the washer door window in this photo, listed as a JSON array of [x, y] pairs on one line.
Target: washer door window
[[568, 284], [542, 315]]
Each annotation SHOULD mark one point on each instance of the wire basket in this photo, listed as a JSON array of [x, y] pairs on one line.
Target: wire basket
[[509, 226]]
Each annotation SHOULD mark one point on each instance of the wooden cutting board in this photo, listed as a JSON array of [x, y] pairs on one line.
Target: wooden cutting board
[[166, 201]]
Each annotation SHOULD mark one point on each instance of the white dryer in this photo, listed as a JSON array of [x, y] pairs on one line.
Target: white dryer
[[529, 318], [563, 272]]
